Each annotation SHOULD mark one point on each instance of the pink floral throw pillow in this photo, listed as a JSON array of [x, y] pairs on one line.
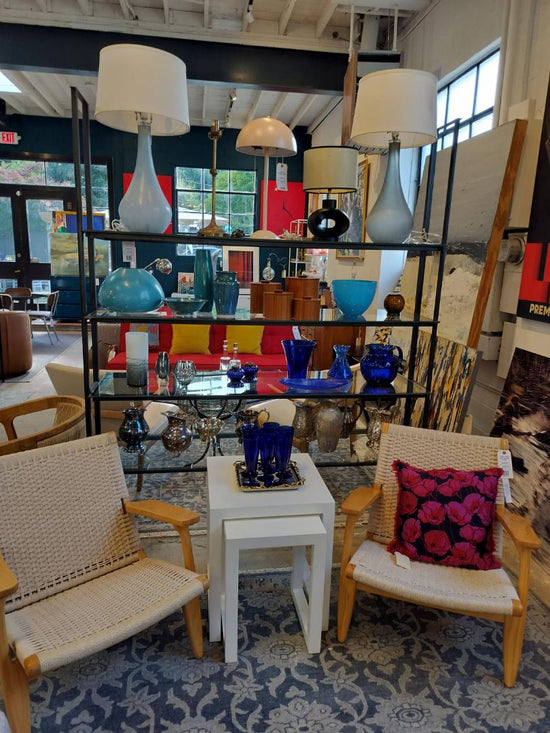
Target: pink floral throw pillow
[[445, 516]]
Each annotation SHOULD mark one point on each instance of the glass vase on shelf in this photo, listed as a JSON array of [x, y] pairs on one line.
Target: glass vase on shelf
[[235, 361]]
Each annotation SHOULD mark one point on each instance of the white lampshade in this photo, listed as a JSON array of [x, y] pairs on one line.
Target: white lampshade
[[401, 101], [133, 78], [330, 168], [266, 136]]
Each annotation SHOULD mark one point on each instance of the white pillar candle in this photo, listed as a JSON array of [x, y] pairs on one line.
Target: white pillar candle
[[137, 353]]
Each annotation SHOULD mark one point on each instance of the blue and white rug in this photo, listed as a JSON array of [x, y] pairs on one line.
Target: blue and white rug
[[403, 669]]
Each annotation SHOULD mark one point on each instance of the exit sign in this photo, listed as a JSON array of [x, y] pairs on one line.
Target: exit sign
[[9, 138]]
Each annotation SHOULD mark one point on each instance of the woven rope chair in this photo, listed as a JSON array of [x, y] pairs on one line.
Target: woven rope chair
[[73, 577], [487, 594], [68, 422]]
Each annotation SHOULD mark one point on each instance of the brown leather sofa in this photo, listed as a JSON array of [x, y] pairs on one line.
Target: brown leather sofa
[[15, 343]]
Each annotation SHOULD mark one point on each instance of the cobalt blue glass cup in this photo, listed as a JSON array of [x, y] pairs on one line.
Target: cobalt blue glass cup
[[268, 438], [283, 450], [298, 354], [251, 449]]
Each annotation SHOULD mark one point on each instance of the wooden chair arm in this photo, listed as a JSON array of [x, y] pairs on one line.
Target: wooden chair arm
[[519, 529], [360, 499], [353, 506], [8, 581], [177, 516]]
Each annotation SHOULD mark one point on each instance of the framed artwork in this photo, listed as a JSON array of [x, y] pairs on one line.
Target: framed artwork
[[245, 261], [355, 206]]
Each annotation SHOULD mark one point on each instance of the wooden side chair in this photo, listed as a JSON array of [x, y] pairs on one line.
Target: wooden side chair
[[73, 577], [371, 568], [62, 419]]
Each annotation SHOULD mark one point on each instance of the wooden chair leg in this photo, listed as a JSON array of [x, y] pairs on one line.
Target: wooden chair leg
[[514, 628], [346, 599], [15, 687], [193, 620]]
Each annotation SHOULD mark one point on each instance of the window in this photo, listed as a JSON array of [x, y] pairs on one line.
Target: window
[[235, 199], [471, 98], [52, 173]]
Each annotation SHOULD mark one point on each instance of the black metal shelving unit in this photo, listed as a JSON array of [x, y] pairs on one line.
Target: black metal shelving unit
[[409, 391]]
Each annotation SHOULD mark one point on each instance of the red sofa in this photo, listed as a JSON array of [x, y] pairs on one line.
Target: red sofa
[[203, 343]]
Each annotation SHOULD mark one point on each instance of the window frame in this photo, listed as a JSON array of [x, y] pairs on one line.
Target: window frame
[[205, 190]]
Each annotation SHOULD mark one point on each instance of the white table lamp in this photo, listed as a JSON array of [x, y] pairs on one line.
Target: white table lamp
[[143, 90], [266, 136], [330, 169], [394, 108]]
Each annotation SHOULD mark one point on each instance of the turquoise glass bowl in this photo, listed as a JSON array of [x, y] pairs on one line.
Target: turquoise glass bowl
[[131, 290], [353, 297]]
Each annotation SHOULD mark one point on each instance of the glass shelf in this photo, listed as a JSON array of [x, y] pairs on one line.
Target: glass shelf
[[214, 385]]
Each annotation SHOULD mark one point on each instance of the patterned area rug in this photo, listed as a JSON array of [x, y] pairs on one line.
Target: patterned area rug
[[402, 669]]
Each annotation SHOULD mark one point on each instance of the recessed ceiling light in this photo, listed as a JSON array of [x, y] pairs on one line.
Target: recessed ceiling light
[[6, 86]]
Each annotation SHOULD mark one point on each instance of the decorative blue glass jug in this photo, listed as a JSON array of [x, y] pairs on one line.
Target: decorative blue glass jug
[[381, 363]]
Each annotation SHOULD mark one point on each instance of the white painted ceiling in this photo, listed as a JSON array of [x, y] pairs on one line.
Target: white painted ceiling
[[317, 25]]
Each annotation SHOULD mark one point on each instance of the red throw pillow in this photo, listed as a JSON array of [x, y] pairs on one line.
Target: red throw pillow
[[446, 516], [272, 337]]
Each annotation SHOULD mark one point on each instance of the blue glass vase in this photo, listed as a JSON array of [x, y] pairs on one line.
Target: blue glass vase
[[297, 354], [204, 278], [340, 368], [226, 293]]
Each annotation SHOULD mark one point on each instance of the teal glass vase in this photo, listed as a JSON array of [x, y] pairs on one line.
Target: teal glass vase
[[204, 278], [226, 293]]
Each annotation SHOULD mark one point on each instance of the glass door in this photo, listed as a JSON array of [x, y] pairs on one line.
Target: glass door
[[25, 226]]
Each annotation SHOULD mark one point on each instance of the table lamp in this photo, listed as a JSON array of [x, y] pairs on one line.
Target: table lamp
[[394, 108], [142, 90], [266, 136], [329, 169]]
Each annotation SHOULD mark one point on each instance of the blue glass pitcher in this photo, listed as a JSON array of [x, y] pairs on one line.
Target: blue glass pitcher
[[381, 363]]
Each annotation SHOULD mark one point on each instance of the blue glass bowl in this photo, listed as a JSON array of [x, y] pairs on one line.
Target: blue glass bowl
[[353, 297]]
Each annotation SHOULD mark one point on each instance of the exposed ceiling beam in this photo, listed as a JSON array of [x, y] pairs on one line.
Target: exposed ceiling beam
[[18, 78], [285, 16], [254, 106], [330, 107], [128, 10], [206, 14], [45, 5], [85, 6], [279, 105], [301, 111], [167, 13], [326, 15]]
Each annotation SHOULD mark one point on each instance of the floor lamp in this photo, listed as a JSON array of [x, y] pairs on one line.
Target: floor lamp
[[266, 136], [395, 108], [143, 90]]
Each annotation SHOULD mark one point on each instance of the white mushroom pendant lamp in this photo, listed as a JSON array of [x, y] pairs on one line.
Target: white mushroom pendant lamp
[[266, 136], [143, 90], [394, 108]]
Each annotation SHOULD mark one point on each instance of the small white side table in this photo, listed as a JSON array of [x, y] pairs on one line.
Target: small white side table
[[227, 501]]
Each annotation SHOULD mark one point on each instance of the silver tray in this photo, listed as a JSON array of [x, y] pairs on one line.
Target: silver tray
[[295, 483]]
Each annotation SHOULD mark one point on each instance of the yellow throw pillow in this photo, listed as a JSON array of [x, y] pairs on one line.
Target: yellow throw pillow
[[190, 339], [249, 338]]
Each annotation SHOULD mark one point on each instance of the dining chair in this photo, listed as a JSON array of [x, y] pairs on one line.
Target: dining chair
[[46, 317], [6, 302], [20, 292]]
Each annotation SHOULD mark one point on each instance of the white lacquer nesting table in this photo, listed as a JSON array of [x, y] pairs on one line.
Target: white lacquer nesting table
[[226, 500]]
